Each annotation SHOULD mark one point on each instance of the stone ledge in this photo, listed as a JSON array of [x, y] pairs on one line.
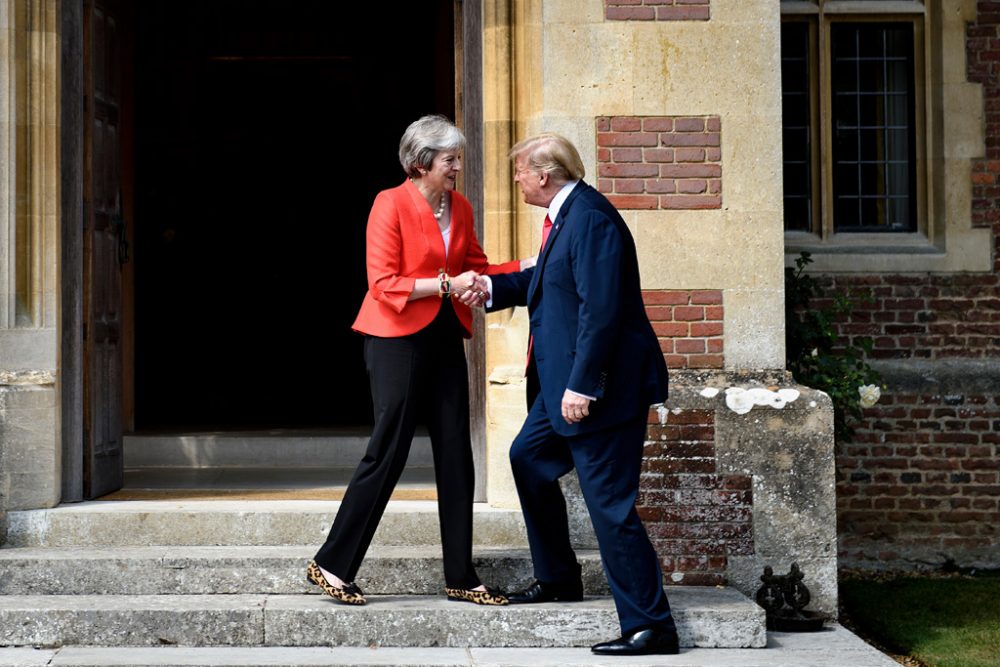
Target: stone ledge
[[244, 570], [706, 617]]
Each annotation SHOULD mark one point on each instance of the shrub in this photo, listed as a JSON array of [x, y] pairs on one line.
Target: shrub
[[818, 358]]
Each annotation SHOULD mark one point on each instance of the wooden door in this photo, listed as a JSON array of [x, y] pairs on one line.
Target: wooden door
[[105, 248]]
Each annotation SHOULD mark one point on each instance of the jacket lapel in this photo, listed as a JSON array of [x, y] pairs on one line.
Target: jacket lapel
[[424, 217]]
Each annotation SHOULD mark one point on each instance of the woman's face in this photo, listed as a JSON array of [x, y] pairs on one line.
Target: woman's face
[[444, 170]]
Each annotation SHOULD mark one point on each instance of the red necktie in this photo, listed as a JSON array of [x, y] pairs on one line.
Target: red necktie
[[546, 229]]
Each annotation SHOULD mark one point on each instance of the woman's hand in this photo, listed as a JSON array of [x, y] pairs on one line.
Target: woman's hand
[[463, 283], [476, 294]]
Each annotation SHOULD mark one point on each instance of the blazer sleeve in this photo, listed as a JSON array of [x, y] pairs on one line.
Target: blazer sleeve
[[597, 251], [384, 255], [475, 258]]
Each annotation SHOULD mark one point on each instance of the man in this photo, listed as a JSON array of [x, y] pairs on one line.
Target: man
[[594, 368]]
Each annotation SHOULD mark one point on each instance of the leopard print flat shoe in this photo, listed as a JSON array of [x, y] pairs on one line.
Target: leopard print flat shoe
[[349, 594], [488, 597]]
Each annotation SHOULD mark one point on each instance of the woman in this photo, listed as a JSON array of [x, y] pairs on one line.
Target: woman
[[421, 252]]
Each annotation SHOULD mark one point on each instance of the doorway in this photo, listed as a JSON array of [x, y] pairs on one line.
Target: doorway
[[263, 131]]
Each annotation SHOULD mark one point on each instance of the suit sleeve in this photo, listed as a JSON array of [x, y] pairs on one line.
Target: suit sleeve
[[383, 255], [510, 289], [596, 259]]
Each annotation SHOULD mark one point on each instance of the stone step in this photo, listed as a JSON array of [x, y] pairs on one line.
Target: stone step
[[239, 522], [706, 617], [836, 647], [260, 449], [250, 570]]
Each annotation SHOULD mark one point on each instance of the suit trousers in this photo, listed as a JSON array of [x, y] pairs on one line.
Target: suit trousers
[[608, 464], [422, 375]]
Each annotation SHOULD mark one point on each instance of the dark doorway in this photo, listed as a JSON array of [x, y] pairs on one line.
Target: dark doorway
[[264, 129]]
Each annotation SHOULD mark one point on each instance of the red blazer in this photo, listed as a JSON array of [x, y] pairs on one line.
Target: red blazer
[[404, 243]]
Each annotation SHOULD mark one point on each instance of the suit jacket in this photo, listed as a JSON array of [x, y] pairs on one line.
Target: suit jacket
[[591, 333], [404, 243]]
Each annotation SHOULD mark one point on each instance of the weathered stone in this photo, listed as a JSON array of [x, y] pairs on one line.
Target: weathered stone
[[266, 523], [29, 456], [705, 617], [250, 570], [139, 620], [835, 647]]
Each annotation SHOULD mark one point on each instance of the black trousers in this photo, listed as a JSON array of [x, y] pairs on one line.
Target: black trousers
[[420, 375]]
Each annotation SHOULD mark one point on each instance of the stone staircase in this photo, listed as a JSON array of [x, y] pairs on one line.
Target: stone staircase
[[203, 582]]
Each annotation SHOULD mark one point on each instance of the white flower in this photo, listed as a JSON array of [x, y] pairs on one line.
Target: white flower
[[739, 400], [815, 352], [709, 392], [870, 393], [788, 394]]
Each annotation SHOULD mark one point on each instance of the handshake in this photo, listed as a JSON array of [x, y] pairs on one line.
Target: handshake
[[471, 289]]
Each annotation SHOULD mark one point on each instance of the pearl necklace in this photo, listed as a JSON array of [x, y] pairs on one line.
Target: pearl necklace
[[438, 213]]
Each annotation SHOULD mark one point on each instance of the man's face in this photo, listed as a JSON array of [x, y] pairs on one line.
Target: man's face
[[532, 183]]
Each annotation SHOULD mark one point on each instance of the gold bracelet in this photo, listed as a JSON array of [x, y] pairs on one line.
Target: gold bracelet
[[444, 284]]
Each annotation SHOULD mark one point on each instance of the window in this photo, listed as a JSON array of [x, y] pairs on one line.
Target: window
[[852, 117]]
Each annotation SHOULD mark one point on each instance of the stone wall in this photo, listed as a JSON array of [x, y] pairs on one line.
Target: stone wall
[[730, 487]]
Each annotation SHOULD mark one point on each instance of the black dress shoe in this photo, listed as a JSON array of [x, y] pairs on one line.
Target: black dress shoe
[[540, 591], [641, 642]]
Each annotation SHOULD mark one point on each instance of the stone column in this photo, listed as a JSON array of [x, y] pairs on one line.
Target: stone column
[[29, 216]]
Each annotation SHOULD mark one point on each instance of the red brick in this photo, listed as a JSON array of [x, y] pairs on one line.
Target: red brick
[[630, 13], [668, 297], [706, 329], [671, 329], [689, 346], [658, 154], [691, 186], [658, 124], [628, 170], [627, 139], [689, 125], [695, 13], [689, 154], [689, 313], [626, 124], [629, 154], [661, 186], [634, 201], [691, 201], [690, 170]]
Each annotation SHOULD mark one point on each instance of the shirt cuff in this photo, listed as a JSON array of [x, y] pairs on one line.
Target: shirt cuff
[[576, 393], [489, 290]]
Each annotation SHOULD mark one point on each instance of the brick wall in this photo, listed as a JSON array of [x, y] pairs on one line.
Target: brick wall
[[688, 324], [657, 10], [919, 486], [695, 517], [923, 316], [660, 162], [920, 481]]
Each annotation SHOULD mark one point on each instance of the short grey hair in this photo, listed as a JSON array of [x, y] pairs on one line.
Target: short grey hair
[[424, 139]]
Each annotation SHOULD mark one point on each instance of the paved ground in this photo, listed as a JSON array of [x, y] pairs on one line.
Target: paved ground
[[834, 647]]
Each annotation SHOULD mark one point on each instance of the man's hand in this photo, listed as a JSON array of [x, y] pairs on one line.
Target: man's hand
[[574, 407], [477, 294]]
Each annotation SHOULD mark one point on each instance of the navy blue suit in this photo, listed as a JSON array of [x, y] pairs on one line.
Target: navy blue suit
[[591, 335]]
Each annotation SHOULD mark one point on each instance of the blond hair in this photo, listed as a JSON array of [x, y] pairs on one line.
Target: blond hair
[[552, 154]]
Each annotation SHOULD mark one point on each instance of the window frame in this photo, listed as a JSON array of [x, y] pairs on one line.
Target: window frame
[[820, 16]]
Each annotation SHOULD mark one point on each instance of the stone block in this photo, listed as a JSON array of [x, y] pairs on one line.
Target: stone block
[[264, 523], [251, 570], [30, 458], [705, 617], [141, 620]]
